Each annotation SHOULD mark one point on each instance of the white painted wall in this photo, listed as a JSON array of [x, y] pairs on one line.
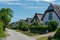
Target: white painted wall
[[46, 18], [56, 18]]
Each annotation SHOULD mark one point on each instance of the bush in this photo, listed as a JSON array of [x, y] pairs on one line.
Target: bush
[[57, 34], [52, 25], [58, 29], [38, 29], [2, 34], [23, 26], [43, 28]]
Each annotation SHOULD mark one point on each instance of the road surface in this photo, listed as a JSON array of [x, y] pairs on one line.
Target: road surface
[[43, 35], [13, 35]]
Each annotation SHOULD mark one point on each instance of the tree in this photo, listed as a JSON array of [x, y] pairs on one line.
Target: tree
[[23, 26], [52, 25], [6, 14]]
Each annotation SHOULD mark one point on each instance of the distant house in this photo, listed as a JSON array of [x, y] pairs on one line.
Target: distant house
[[22, 20], [28, 20], [37, 17], [12, 25], [52, 13]]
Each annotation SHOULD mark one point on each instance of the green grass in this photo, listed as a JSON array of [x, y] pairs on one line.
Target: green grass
[[27, 33], [2, 35], [43, 38]]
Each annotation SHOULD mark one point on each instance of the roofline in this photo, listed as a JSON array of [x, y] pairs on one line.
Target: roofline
[[50, 11], [38, 14]]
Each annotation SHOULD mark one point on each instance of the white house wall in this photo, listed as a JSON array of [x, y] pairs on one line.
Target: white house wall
[[46, 18], [56, 18]]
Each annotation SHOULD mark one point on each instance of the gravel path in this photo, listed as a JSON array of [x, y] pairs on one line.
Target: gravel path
[[13, 35], [43, 35]]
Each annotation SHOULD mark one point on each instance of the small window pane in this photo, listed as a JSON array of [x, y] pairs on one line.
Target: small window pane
[[50, 16]]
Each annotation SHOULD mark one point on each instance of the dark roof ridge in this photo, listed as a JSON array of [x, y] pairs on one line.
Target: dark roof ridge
[[29, 18], [38, 14]]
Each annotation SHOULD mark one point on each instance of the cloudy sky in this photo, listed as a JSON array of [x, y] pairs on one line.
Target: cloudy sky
[[26, 8]]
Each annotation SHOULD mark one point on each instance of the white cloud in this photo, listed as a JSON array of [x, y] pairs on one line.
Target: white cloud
[[4, 1], [10, 2], [16, 4], [57, 3], [35, 7], [50, 1], [42, 0]]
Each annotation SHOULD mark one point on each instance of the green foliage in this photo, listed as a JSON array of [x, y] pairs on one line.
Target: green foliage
[[37, 27], [57, 34], [44, 27], [52, 25], [6, 14], [36, 23], [58, 29], [2, 34], [23, 26]]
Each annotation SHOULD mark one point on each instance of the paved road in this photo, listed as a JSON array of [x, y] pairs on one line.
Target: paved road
[[43, 35], [13, 35]]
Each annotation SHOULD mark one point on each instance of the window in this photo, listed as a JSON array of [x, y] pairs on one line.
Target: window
[[50, 15]]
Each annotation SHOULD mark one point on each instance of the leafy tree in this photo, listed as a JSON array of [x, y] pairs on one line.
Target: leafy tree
[[6, 14], [23, 26]]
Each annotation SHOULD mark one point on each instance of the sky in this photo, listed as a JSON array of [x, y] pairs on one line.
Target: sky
[[23, 9]]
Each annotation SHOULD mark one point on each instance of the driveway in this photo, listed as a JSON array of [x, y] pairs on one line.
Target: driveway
[[13, 35]]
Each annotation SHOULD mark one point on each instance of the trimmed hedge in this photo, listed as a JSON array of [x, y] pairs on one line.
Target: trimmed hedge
[[38, 29]]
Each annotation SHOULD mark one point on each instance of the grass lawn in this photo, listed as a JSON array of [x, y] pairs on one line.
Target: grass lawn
[[27, 33], [43, 38]]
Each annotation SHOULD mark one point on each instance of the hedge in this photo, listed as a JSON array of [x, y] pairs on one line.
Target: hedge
[[38, 29]]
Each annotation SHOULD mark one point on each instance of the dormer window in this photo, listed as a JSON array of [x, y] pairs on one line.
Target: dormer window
[[50, 15]]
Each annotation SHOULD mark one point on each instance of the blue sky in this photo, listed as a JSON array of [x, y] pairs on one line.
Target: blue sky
[[26, 8]]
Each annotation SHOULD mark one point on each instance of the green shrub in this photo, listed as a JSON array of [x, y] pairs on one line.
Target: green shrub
[[23, 26], [38, 29], [52, 25], [58, 29], [43, 28], [57, 34], [2, 34]]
